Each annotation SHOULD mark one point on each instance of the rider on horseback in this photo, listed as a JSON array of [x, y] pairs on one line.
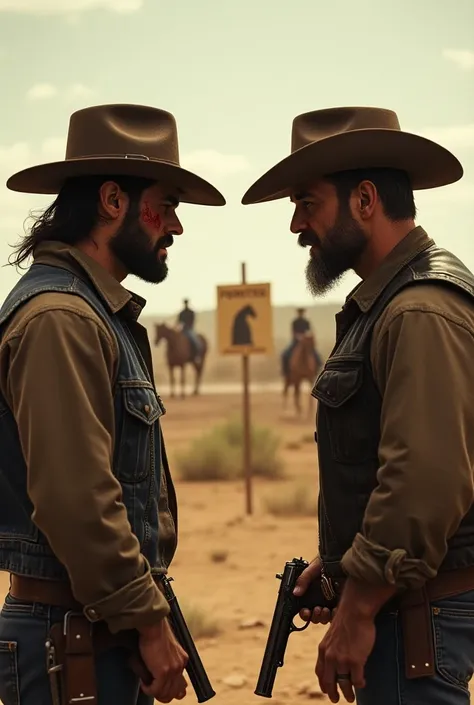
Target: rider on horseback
[[300, 326], [186, 320]]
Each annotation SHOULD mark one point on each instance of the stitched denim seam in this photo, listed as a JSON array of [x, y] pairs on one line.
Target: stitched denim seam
[[13, 671], [448, 677]]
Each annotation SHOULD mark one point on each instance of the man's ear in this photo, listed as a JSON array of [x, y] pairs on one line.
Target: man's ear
[[113, 202], [367, 199]]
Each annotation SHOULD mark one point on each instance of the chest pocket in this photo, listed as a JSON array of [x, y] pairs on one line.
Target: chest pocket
[[137, 443], [345, 414]]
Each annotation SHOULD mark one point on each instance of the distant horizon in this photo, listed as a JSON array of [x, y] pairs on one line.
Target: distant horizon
[[316, 304]]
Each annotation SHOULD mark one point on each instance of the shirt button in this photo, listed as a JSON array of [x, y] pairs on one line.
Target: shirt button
[[146, 409]]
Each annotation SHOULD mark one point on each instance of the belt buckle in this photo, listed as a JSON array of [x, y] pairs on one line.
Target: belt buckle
[[67, 618], [66, 628]]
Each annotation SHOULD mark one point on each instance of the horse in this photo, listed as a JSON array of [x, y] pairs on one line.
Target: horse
[[241, 331], [179, 354], [302, 366]]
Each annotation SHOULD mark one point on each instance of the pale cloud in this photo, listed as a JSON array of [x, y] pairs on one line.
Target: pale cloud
[[463, 58], [210, 163], [68, 7], [42, 91], [450, 136], [459, 193], [458, 139], [15, 207], [79, 91], [20, 154]]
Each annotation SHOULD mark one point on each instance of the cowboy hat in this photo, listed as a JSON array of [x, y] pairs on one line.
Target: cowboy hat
[[120, 140], [338, 139]]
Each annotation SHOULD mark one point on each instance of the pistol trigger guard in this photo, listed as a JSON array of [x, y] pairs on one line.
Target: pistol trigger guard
[[294, 628]]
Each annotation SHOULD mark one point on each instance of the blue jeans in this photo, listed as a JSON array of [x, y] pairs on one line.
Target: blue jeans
[[453, 622], [23, 677]]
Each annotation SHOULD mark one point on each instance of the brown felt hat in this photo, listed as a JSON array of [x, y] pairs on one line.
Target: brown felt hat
[[338, 139], [120, 140]]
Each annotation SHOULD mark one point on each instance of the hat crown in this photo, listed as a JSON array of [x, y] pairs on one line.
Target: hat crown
[[121, 130], [320, 124]]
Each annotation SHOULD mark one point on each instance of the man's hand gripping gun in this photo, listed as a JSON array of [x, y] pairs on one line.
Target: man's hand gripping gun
[[195, 669], [287, 607]]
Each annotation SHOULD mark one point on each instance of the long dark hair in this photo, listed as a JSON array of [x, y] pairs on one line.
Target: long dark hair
[[73, 214]]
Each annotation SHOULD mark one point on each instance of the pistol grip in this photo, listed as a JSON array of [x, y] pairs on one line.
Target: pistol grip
[[314, 597]]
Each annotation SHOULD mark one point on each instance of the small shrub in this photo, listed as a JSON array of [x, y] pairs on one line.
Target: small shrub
[[201, 624], [296, 502], [217, 455], [209, 458]]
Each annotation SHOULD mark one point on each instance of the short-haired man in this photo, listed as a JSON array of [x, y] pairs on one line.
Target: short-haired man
[[395, 426]]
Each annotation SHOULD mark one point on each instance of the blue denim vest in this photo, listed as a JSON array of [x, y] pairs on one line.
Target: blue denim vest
[[138, 445]]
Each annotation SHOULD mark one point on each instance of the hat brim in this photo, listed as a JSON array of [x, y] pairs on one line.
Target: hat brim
[[49, 178], [428, 164]]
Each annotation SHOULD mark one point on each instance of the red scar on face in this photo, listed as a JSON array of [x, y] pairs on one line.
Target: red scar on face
[[151, 218]]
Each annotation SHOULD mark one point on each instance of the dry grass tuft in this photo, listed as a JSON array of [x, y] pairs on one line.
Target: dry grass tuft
[[293, 502], [217, 455]]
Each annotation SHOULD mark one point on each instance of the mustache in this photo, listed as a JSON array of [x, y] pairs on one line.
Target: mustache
[[165, 241], [308, 238]]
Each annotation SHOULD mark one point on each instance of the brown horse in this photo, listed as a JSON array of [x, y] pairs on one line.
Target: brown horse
[[301, 366], [179, 354]]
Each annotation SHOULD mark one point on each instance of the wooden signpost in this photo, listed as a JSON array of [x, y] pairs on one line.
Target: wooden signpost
[[245, 327]]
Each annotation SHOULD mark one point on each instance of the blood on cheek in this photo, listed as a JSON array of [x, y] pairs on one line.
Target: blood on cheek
[[151, 218]]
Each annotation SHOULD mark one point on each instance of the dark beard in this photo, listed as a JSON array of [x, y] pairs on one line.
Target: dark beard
[[131, 245], [334, 254]]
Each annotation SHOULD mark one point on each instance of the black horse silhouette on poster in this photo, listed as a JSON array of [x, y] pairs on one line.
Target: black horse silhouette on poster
[[241, 330]]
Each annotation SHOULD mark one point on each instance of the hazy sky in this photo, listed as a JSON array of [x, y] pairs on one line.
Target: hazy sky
[[235, 73]]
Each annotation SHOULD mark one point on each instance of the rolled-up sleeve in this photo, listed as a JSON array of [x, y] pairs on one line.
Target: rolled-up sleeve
[[59, 387], [423, 366]]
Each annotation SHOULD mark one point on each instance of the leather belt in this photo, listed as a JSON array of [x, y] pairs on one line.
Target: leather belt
[[414, 606], [415, 609], [416, 612], [73, 644], [48, 592]]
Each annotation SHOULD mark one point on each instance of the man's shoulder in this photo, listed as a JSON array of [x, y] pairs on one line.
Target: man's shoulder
[[53, 304], [441, 299], [431, 296]]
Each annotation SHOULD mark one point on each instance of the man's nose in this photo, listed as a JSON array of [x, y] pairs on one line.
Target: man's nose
[[175, 227], [297, 224]]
